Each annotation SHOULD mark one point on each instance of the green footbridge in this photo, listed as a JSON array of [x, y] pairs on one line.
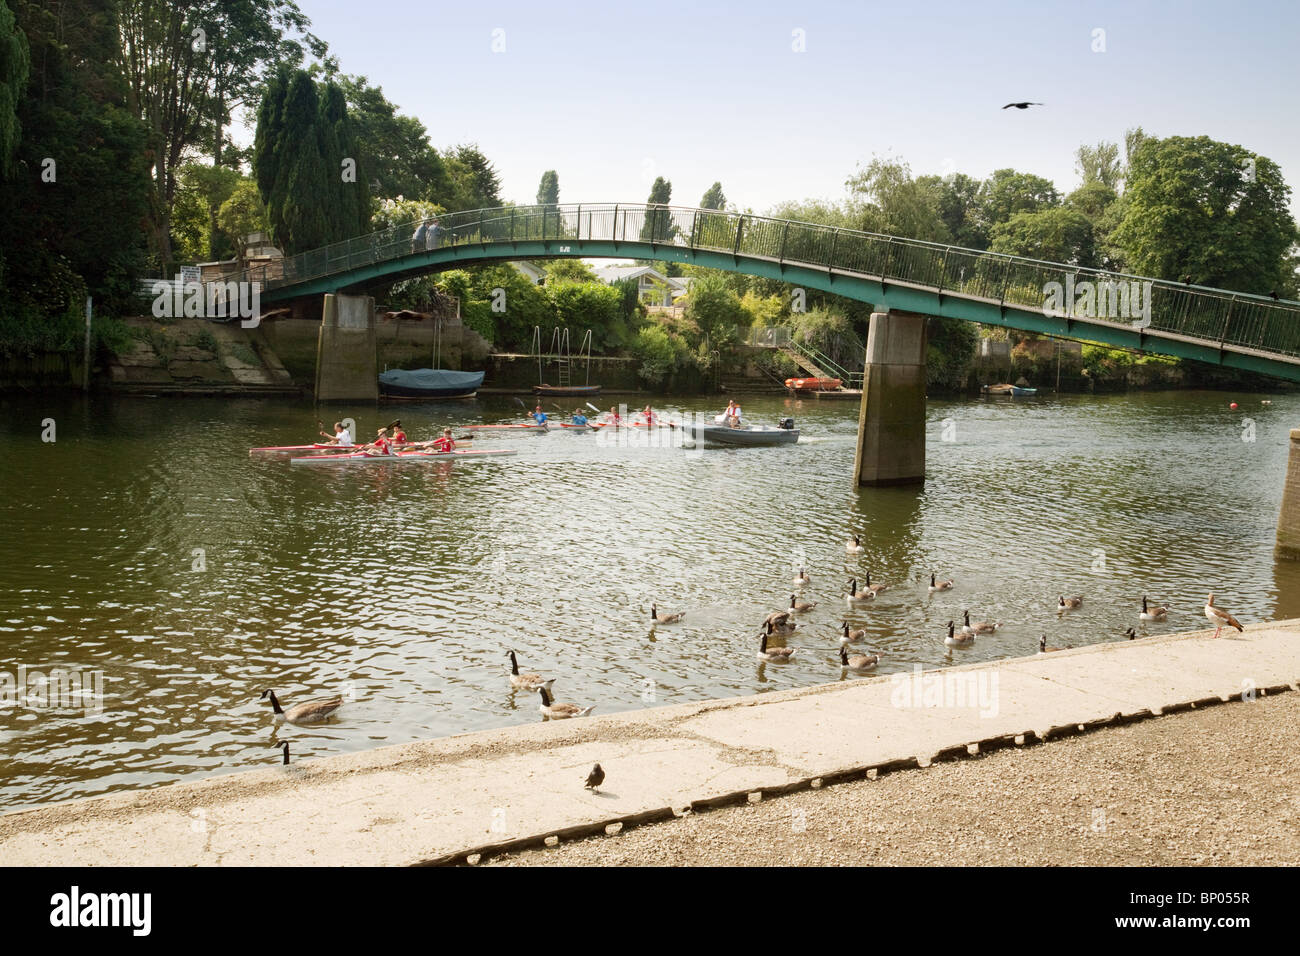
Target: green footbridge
[[1232, 329]]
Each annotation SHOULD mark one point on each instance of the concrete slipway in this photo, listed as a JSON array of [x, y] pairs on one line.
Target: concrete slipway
[[442, 800]]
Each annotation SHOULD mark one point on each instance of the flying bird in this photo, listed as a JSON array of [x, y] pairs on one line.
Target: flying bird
[[595, 778], [1021, 106]]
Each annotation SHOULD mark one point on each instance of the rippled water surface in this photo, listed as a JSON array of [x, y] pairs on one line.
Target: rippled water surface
[[403, 586]]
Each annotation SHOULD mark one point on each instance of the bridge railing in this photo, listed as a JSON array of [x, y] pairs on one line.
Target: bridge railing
[[1230, 318]]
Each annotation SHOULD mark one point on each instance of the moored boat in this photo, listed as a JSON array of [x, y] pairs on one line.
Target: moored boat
[[813, 384], [1007, 389], [429, 383], [566, 391]]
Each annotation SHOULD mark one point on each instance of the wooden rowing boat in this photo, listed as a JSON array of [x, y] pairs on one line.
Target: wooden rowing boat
[[402, 457]]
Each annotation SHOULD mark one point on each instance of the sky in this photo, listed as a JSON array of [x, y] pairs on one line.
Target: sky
[[784, 100]]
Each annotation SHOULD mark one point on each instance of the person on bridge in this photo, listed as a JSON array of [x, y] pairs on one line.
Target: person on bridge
[[419, 238], [435, 233]]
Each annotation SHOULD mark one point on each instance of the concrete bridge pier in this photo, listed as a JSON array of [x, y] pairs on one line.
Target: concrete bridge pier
[[1288, 520], [891, 426], [347, 360]]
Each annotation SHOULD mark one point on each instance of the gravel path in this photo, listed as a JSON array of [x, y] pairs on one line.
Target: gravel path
[[1218, 786]]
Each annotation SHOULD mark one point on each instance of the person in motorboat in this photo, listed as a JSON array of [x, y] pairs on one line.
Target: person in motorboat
[[341, 437]]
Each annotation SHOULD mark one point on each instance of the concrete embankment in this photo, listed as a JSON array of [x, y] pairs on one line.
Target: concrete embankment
[[441, 800]]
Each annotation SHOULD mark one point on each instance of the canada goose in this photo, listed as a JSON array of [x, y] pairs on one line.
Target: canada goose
[[939, 585], [1044, 649], [308, 712], [1070, 604], [855, 596], [801, 607], [523, 681], [979, 627], [1220, 617], [595, 778], [777, 654], [1152, 613], [957, 638], [801, 580], [780, 628], [852, 637], [853, 546], [285, 745], [1131, 634], [858, 663], [658, 618], [554, 711], [876, 589]]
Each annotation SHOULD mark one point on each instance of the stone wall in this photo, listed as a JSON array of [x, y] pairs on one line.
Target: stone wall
[[196, 355]]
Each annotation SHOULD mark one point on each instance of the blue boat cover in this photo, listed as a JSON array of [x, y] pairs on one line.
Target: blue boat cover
[[432, 379]]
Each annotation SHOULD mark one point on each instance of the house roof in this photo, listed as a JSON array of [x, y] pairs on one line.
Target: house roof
[[617, 273]]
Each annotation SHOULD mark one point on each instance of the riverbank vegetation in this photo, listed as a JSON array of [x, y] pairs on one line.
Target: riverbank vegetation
[[332, 157]]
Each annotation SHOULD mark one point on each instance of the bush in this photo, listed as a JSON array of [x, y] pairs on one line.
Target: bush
[[662, 354]]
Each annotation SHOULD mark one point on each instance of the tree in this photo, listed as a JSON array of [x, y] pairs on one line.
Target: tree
[[393, 149], [475, 183], [894, 203], [1052, 235], [569, 270], [302, 149], [959, 200], [242, 213], [716, 310], [713, 198], [548, 190], [187, 65], [1100, 164], [80, 231], [200, 191], [658, 225], [1008, 192], [14, 65], [1209, 210]]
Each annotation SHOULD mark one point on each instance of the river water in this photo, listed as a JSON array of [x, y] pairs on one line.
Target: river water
[[145, 543]]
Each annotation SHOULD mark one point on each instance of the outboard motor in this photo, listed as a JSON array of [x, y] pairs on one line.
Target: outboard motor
[[786, 423]]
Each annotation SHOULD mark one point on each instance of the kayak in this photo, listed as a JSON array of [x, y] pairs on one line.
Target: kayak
[[566, 391], [570, 426], [634, 425], [285, 449], [506, 428], [404, 456]]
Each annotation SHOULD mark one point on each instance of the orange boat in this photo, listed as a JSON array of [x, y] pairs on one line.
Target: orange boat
[[813, 384]]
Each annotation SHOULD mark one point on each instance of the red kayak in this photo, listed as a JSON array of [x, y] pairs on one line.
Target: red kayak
[[404, 456], [286, 449]]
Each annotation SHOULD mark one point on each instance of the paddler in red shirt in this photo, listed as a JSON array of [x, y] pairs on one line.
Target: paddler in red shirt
[[399, 436], [613, 417], [382, 443], [444, 444], [649, 415]]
